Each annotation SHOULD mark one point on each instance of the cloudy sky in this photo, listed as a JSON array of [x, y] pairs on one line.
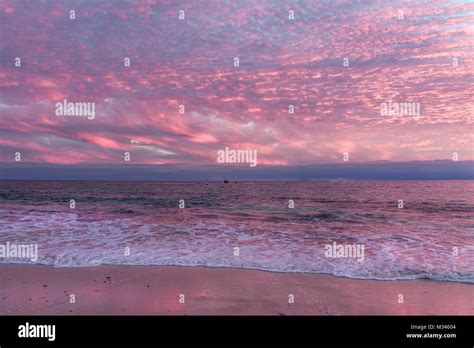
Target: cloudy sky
[[404, 51]]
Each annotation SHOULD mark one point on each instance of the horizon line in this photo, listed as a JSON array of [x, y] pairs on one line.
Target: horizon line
[[356, 171]]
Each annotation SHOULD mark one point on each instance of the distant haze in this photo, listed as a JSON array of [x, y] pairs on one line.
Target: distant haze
[[426, 170]]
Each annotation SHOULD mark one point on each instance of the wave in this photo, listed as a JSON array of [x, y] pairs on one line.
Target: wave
[[399, 244], [446, 277]]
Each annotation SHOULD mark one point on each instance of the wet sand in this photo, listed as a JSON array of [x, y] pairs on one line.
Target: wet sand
[[156, 290]]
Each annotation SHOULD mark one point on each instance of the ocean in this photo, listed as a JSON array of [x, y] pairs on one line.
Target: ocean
[[248, 225]]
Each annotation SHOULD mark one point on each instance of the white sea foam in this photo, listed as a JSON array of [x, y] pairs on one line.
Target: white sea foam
[[65, 240]]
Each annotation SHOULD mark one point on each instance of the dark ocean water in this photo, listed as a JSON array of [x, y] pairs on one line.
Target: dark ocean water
[[414, 242]]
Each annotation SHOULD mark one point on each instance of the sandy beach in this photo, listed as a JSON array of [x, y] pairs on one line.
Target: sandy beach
[[156, 290]]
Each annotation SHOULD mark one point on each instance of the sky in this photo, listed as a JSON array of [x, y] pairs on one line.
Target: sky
[[335, 62]]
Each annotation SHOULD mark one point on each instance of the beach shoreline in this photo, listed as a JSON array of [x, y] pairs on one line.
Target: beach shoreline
[[161, 290]]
